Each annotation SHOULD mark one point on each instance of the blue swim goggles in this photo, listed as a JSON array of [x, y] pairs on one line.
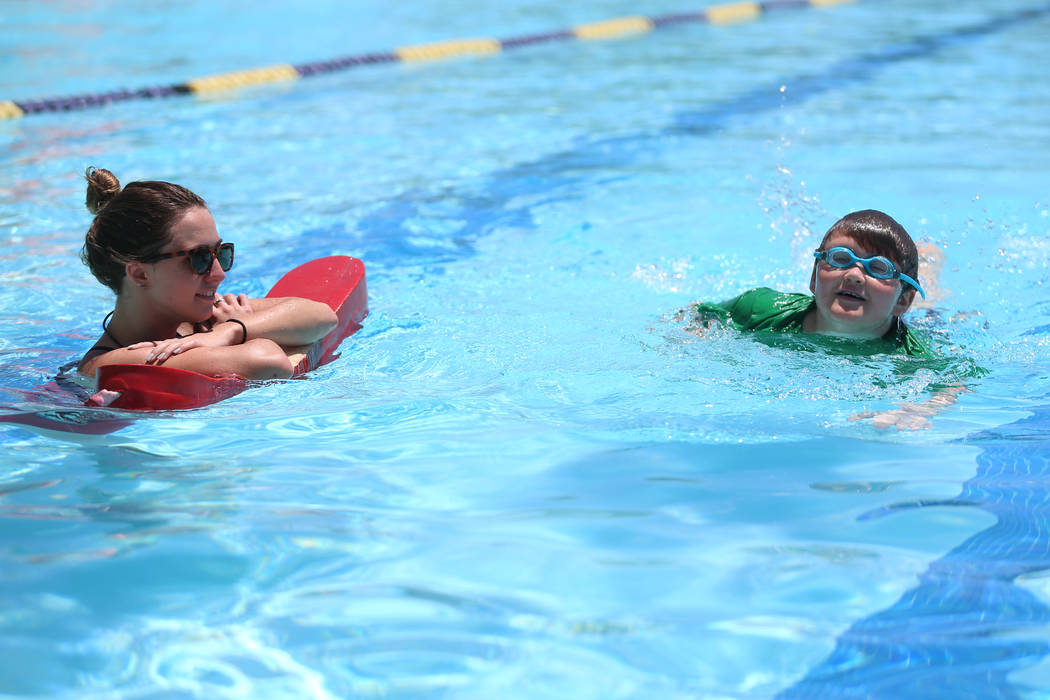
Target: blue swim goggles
[[876, 266]]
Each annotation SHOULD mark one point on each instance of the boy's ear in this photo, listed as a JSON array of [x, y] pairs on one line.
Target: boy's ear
[[904, 302], [137, 273], [813, 280]]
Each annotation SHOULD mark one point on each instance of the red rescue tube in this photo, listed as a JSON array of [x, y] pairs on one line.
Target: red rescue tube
[[337, 280], [148, 387]]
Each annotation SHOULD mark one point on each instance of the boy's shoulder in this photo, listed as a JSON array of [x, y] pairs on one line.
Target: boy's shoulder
[[914, 344], [762, 309], [764, 300]]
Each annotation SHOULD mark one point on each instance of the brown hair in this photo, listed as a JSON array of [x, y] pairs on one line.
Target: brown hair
[[130, 224], [880, 234]]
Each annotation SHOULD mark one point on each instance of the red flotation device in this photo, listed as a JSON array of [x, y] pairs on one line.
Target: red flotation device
[[338, 281]]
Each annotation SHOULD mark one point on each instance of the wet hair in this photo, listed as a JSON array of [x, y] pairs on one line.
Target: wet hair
[[131, 223], [880, 234]]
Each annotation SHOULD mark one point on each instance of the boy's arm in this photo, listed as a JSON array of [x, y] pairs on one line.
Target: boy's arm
[[931, 260], [706, 312], [915, 416], [700, 315]]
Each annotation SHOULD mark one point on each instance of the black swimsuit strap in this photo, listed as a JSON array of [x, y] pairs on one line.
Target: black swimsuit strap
[[106, 331], [96, 350]]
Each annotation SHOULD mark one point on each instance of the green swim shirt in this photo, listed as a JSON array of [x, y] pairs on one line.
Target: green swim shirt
[[765, 309]]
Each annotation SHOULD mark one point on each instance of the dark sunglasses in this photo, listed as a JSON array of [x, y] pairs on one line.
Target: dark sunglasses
[[201, 257]]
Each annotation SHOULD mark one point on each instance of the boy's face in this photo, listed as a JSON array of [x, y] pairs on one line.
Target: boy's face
[[851, 302]]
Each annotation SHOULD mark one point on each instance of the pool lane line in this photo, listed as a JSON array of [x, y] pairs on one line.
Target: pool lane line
[[727, 13], [507, 197]]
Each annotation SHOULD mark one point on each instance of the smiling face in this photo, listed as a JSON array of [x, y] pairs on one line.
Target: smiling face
[[174, 289], [851, 302]]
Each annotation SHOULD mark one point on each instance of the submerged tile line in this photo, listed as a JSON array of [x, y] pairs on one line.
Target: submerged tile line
[[229, 82], [968, 623]]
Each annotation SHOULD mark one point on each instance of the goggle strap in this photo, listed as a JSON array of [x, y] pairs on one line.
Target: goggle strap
[[913, 283]]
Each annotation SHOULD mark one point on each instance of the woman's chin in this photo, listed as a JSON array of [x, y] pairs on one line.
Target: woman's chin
[[202, 312]]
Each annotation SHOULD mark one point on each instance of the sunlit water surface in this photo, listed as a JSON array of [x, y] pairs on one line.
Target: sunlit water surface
[[526, 476]]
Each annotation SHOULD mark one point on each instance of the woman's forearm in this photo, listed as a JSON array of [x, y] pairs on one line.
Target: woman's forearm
[[289, 322]]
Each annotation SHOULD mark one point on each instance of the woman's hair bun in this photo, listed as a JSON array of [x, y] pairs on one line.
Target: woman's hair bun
[[102, 187]]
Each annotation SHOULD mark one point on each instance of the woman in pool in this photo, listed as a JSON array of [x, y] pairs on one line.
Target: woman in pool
[[156, 246]]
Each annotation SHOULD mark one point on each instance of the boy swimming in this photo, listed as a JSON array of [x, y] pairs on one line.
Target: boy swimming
[[865, 277]]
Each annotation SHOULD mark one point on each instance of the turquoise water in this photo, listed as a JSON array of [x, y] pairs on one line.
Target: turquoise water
[[525, 477]]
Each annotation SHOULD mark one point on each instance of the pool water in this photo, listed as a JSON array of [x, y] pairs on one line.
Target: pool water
[[525, 476]]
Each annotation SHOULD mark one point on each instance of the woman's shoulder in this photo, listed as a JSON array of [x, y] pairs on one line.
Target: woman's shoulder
[[88, 363]]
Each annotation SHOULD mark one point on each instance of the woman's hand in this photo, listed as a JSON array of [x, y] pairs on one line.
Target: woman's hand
[[161, 350], [229, 306]]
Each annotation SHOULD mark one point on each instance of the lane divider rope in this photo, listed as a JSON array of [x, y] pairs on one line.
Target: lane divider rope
[[611, 28], [442, 50]]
